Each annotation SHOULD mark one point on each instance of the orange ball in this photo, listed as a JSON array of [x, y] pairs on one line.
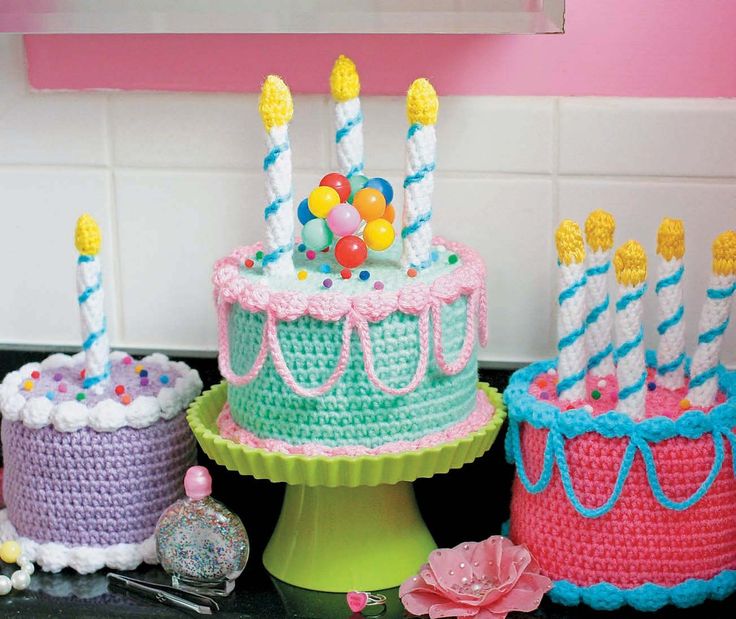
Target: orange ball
[[389, 214], [370, 203]]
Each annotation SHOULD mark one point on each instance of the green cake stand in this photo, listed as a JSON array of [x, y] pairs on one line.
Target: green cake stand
[[347, 523]]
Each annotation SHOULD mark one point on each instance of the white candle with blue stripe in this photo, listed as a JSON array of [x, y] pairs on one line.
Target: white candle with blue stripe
[[345, 87], [670, 309], [599, 229], [571, 356], [630, 263], [95, 344], [422, 106], [713, 322], [277, 108]]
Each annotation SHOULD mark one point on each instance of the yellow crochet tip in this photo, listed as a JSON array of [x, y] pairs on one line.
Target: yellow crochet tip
[[599, 228], [344, 80], [87, 237], [724, 253], [275, 105], [630, 263], [569, 240], [671, 239], [422, 103]]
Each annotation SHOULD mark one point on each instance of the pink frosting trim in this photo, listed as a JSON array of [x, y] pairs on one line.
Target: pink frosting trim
[[421, 300], [480, 416]]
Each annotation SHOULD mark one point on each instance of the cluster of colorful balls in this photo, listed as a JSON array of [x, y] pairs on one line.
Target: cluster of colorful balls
[[356, 210]]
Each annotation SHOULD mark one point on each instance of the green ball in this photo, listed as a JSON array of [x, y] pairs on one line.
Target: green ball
[[357, 182], [316, 235]]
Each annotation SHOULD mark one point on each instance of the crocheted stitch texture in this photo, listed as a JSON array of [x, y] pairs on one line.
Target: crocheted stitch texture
[[602, 500]]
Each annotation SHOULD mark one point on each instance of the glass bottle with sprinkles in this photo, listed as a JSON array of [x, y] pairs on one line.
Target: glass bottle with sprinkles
[[200, 543]]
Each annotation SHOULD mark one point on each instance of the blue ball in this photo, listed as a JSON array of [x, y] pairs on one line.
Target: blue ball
[[383, 186], [303, 212]]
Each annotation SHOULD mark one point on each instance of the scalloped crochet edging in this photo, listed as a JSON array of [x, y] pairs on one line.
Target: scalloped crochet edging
[[647, 597]]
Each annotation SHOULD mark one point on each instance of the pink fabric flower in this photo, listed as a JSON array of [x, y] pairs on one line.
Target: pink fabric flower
[[485, 580]]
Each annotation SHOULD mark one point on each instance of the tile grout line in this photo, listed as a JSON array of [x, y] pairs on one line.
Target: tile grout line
[[551, 315], [114, 225]]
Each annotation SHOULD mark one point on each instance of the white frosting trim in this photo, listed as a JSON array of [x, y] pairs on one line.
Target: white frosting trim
[[53, 557], [105, 416]]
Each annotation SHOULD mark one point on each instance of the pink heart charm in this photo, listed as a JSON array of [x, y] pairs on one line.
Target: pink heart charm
[[357, 600]]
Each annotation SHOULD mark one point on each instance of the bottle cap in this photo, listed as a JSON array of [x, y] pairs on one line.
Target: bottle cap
[[197, 482]]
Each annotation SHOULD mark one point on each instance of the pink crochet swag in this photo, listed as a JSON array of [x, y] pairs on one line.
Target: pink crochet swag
[[484, 580]]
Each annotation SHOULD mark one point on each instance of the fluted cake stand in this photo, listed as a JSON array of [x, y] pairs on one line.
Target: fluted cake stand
[[349, 522]]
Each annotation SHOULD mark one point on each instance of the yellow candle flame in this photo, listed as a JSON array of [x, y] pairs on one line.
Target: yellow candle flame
[[422, 103], [344, 80], [671, 239], [724, 253], [569, 240], [87, 237], [599, 228], [630, 263], [275, 105]]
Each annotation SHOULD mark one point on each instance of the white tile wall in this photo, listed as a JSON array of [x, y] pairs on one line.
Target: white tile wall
[[175, 180]]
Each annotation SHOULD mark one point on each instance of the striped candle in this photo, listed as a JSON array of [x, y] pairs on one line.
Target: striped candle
[[345, 87], [599, 229], [95, 344], [670, 310], [277, 108], [421, 145], [713, 322], [630, 263], [571, 359]]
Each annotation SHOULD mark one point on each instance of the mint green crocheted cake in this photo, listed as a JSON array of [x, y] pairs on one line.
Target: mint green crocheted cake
[[354, 412]]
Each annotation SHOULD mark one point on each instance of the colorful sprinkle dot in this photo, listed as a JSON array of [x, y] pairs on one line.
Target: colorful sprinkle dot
[[411, 272], [138, 368], [684, 404], [164, 379], [602, 383], [452, 259], [126, 399], [127, 360], [588, 408], [327, 283], [58, 376], [552, 372], [62, 388], [651, 386], [542, 382], [324, 268], [301, 275], [28, 385], [144, 373], [325, 250], [435, 256], [144, 382], [80, 397], [346, 273], [302, 247], [35, 375], [595, 394], [259, 255], [364, 275], [441, 248], [378, 286], [249, 263], [50, 395], [544, 395], [119, 389], [83, 373], [311, 254]]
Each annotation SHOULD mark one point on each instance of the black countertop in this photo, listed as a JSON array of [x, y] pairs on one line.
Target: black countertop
[[485, 483]]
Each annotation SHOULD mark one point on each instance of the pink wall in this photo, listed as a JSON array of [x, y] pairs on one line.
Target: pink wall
[[643, 48]]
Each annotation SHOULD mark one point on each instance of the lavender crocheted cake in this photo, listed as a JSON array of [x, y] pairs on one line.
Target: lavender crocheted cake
[[88, 474]]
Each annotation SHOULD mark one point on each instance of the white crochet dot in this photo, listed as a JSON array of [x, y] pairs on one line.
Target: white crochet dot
[[602, 383], [551, 371], [588, 408]]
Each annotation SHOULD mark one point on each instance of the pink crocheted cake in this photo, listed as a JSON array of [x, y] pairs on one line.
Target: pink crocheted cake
[[88, 474]]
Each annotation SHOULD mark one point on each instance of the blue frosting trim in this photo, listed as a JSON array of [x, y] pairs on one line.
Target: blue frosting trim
[[523, 407]]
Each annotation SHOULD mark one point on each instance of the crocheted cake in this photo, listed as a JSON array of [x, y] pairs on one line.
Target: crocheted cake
[[88, 474], [624, 489], [344, 343]]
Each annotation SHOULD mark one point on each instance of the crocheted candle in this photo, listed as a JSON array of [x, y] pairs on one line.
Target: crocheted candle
[[571, 361], [599, 229], [345, 87], [670, 310], [630, 263], [277, 108], [87, 239], [713, 321], [421, 145]]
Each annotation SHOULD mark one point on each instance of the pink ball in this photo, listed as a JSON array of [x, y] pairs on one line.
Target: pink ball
[[197, 482], [343, 220]]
